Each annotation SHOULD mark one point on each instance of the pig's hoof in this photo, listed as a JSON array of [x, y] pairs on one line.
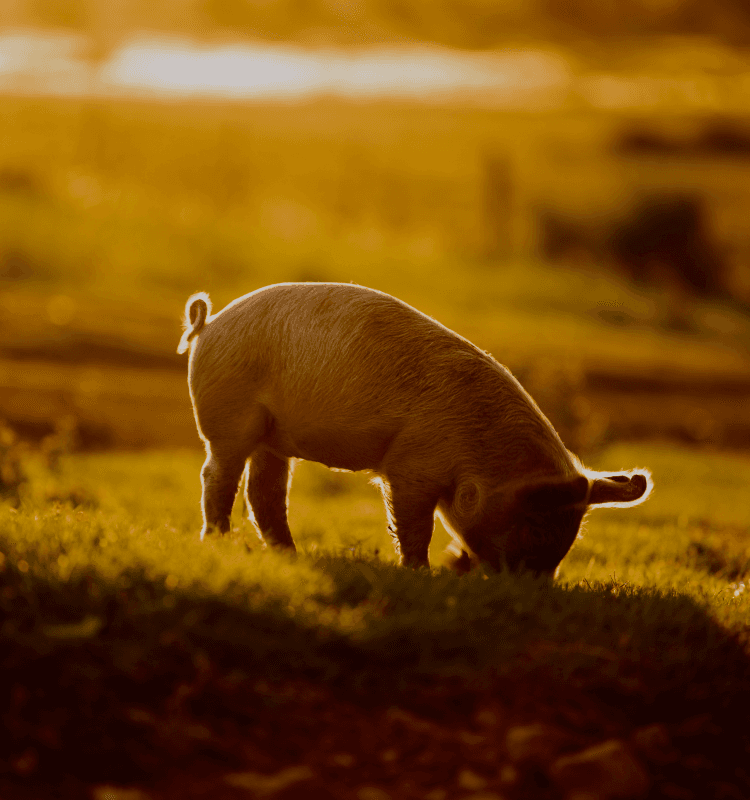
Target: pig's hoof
[[460, 564], [211, 533]]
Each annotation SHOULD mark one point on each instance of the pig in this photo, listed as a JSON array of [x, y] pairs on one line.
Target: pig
[[358, 380]]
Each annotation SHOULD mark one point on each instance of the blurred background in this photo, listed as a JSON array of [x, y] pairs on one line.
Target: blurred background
[[567, 184]]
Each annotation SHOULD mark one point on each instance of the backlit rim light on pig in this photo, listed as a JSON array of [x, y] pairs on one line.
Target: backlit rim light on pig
[[358, 380]]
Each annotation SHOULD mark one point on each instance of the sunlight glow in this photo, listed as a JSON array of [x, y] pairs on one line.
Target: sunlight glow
[[52, 61], [38, 62], [261, 70], [42, 63]]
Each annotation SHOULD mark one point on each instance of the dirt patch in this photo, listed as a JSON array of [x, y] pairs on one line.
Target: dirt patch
[[238, 736]]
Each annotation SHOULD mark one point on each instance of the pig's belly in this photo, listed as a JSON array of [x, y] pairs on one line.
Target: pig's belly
[[337, 446]]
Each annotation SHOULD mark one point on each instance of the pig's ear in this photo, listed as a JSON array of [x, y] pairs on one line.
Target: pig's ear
[[621, 489], [556, 494]]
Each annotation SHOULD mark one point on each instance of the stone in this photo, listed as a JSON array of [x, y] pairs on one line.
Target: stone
[[470, 780], [268, 784], [606, 771], [372, 793], [111, 792], [654, 744], [535, 745]]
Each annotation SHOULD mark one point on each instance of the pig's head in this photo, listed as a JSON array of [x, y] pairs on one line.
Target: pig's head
[[532, 526]]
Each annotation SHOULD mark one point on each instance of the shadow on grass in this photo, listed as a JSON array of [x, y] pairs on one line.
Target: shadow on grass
[[111, 680]]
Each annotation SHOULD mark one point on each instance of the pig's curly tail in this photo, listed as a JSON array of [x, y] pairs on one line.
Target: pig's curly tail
[[197, 308]]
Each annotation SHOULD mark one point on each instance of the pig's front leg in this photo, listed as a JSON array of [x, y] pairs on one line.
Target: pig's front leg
[[220, 478], [411, 520], [266, 491]]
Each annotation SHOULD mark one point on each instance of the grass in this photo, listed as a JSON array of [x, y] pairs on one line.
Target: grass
[[125, 198], [119, 623], [133, 654], [125, 208]]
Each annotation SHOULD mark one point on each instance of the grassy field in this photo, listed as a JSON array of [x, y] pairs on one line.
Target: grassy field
[[135, 199], [112, 212], [139, 663], [136, 657]]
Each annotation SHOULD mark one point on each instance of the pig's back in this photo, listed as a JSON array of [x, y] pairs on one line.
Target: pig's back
[[343, 370], [341, 342]]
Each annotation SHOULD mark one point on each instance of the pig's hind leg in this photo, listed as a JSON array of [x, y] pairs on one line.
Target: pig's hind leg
[[230, 437], [266, 491], [220, 478]]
